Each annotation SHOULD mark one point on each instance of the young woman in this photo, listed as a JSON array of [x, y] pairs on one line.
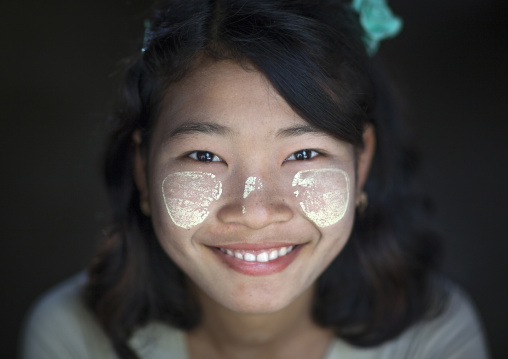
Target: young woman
[[261, 201]]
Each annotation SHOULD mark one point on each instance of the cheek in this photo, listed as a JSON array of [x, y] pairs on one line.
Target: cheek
[[323, 194], [188, 196]]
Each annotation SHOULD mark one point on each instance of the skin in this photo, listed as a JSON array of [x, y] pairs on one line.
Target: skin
[[246, 126]]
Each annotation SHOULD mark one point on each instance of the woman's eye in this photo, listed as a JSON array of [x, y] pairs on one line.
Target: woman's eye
[[204, 156], [302, 155]]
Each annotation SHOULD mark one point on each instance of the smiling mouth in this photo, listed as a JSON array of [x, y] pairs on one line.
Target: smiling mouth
[[262, 256], [258, 259]]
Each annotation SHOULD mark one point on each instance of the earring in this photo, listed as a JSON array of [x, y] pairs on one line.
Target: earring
[[144, 205], [362, 202]]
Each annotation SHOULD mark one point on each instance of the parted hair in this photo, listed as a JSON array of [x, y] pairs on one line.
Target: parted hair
[[313, 55]]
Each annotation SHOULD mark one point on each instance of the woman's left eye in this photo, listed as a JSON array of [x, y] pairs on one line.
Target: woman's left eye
[[302, 155], [204, 156]]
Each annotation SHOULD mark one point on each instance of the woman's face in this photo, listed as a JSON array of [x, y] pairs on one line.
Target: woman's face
[[248, 199]]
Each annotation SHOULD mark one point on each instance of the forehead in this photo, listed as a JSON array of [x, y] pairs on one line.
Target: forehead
[[227, 94]]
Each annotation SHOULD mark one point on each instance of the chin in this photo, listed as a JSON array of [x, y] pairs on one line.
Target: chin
[[261, 299], [257, 306]]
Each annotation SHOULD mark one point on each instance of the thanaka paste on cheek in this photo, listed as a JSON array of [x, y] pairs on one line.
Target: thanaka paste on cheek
[[323, 194], [188, 196]]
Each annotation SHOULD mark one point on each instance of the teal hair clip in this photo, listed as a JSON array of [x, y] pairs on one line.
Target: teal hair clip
[[378, 21], [147, 36]]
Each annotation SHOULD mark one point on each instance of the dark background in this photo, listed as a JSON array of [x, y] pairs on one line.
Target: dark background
[[58, 80]]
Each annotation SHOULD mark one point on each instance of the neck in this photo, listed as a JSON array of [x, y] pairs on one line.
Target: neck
[[289, 332]]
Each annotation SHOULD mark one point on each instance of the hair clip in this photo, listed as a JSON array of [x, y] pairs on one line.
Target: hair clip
[[147, 36], [378, 21]]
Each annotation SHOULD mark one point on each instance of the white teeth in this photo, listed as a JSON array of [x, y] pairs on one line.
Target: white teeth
[[262, 257], [249, 257], [273, 255], [283, 251]]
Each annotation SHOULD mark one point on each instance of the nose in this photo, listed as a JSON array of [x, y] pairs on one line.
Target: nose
[[258, 205]]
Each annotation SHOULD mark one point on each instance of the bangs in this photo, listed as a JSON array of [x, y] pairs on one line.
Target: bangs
[[322, 73]]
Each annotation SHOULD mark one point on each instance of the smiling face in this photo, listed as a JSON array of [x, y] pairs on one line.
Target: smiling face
[[247, 198]]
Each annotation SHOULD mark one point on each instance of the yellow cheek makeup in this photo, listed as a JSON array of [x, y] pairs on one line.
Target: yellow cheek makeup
[[188, 196], [323, 194]]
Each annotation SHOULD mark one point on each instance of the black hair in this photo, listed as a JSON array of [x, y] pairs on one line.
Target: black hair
[[313, 55]]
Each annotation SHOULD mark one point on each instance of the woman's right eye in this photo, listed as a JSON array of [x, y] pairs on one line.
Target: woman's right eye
[[204, 156], [302, 155]]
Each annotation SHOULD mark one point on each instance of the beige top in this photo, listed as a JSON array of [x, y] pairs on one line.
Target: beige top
[[61, 327]]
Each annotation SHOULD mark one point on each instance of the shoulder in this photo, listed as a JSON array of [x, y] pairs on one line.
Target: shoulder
[[453, 332], [61, 326]]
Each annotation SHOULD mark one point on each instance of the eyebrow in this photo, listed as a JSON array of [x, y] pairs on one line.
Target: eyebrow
[[299, 130], [208, 128]]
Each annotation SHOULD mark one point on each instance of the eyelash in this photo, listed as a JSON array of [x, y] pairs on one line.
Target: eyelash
[[206, 156], [302, 155]]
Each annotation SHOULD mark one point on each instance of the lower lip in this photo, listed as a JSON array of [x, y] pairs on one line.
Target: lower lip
[[258, 268]]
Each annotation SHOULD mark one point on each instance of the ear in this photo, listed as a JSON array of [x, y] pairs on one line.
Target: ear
[[139, 168], [365, 156]]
